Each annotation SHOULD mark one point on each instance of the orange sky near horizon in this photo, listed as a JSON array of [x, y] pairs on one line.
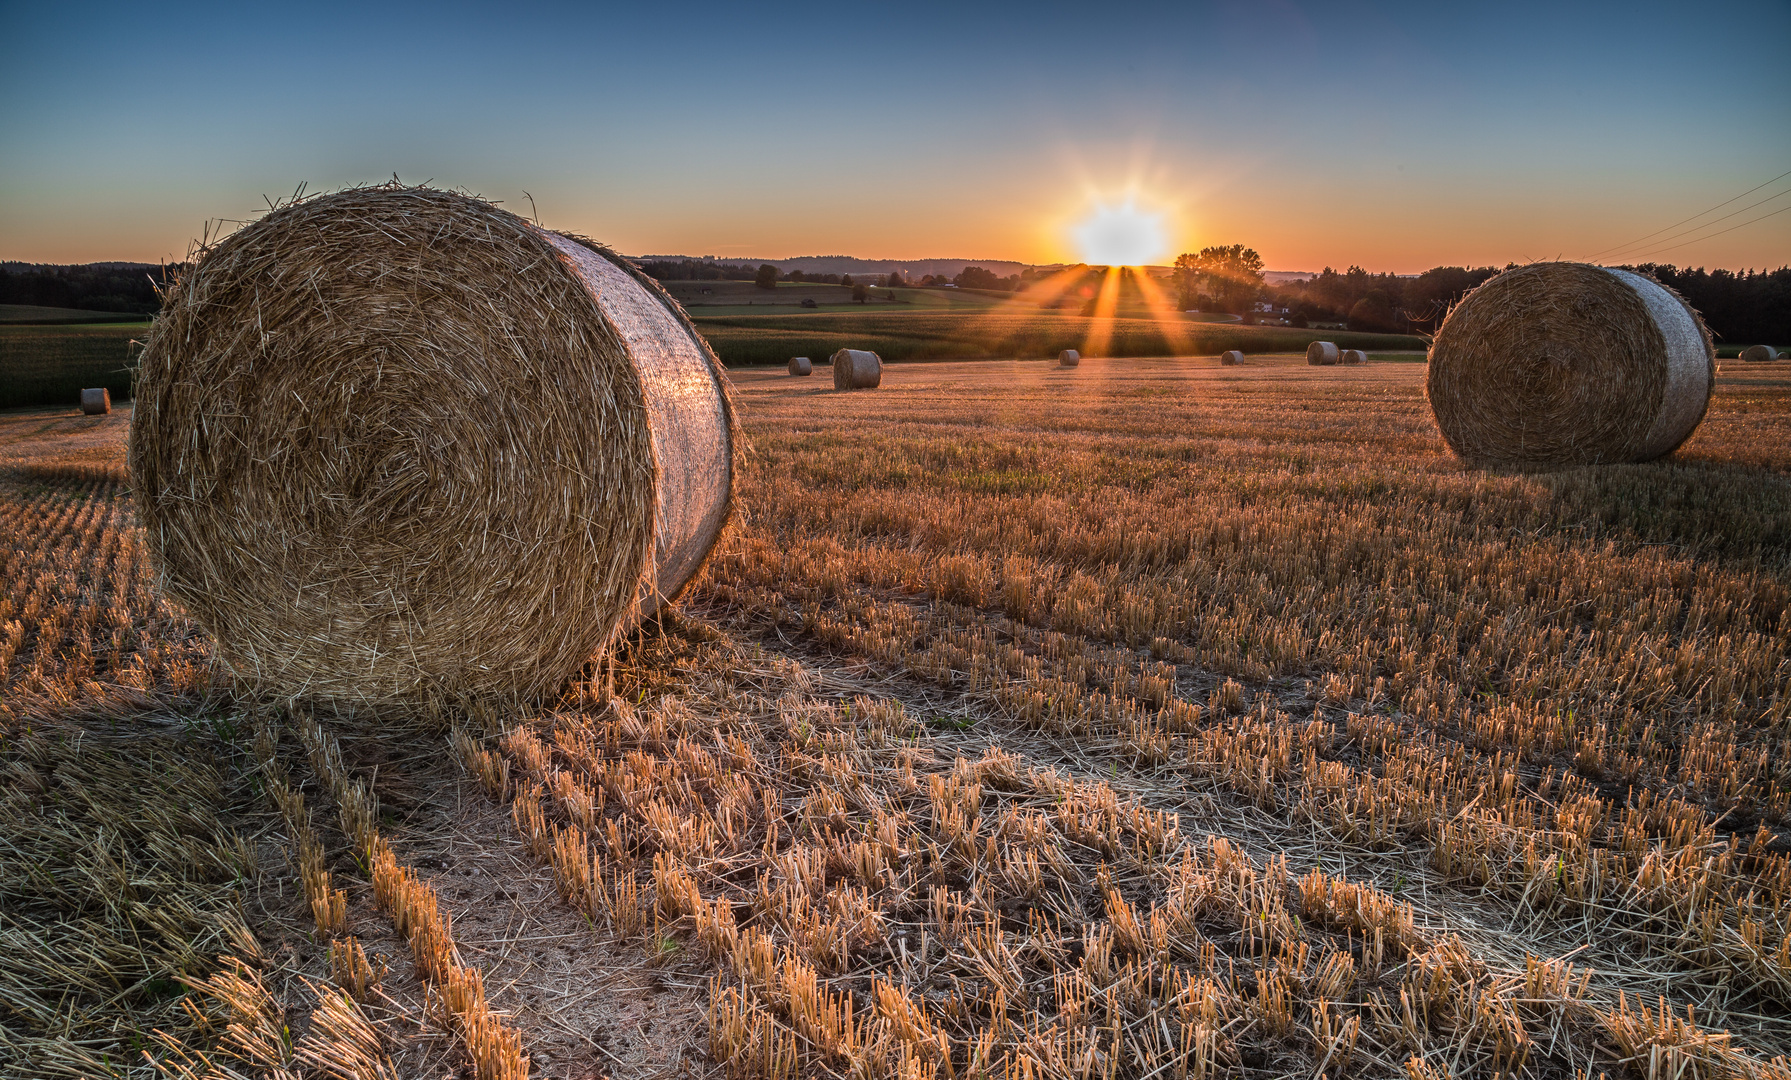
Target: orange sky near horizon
[[1390, 135]]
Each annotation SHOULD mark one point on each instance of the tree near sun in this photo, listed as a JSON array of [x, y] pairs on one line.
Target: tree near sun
[[1231, 274]]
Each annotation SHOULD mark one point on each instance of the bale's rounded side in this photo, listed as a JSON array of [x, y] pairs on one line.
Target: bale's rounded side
[[393, 445], [96, 401], [800, 365], [857, 369], [1753, 354], [1354, 356], [1069, 358], [1322, 353], [1565, 363], [1231, 357]]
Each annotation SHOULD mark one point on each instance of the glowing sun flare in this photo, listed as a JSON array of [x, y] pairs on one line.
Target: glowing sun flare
[[1121, 235]]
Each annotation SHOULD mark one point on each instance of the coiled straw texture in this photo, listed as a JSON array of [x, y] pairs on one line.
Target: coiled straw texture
[[1565, 363], [394, 445], [857, 369]]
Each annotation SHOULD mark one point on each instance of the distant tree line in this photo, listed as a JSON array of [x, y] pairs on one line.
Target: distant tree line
[[1383, 303], [1754, 306], [88, 287], [1747, 309], [697, 270]]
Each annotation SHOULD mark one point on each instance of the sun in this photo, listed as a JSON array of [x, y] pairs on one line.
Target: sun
[[1122, 235]]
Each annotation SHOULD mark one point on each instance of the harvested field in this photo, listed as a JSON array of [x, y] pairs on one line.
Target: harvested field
[[1009, 329], [1147, 719]]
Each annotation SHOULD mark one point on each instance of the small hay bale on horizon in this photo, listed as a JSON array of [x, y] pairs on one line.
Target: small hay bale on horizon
[[1354, 356], [96, 401], [1069, 358], [371, 501], [857, 369], [1759, 354], [1563, 363], [800, 365], [1322, 354]]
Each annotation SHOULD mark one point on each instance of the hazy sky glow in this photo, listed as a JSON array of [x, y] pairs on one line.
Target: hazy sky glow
[[1393, 136]]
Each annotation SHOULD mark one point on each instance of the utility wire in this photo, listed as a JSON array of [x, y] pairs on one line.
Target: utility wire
[[1713, 221], [1700, 239], [1694, 217]]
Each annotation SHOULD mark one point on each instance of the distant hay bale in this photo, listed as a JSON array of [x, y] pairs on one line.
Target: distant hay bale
[[1354, 356], [1564, 363], [1231, 357], [856, 369], [799, 365], [1322, 353], [395, 446], [96, 401], [1069, 358], [1753, 354]]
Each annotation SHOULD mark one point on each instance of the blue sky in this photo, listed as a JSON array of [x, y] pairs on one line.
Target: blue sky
[[1393, 136]]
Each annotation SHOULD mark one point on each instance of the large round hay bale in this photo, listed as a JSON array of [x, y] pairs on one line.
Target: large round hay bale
[[856, 369], [800, 365], [1564, 363], [1322, 353], [1069, 358], [396, 445], [1231, 357], [1353, 356], [1753, 354], [96, 401]]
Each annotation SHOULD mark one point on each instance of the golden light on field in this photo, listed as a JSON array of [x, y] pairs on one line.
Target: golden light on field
[[1122, 235]]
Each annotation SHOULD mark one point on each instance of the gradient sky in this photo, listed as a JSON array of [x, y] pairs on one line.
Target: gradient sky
[[1393, 136]]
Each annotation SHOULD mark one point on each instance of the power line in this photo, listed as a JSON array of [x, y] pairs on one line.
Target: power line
[[1713, 221], [1701, 239], [1694, 217]]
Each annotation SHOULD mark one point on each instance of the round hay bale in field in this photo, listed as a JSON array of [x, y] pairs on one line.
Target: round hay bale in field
[[1322, 353], [857, 369], [1564, 363], [96, 401], [395, 446], [1353, 356], [799, 365], [1753, 354], [1231, 357], [1069, 358]]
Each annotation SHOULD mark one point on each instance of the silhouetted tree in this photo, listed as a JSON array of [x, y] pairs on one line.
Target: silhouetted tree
[[859, 293], [975, 277], [767, 277], [1231, 273]]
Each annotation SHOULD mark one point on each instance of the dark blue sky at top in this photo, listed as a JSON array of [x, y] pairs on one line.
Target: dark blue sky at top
[[771, 128]]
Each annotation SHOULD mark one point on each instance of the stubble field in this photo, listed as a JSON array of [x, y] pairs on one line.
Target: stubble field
[[1148, 719]]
